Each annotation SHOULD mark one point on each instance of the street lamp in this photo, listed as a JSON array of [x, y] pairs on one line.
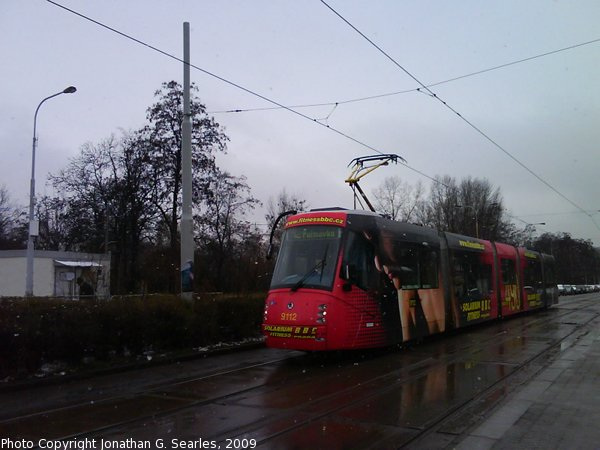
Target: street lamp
[[529, 230], [32, 226], [530, 227]]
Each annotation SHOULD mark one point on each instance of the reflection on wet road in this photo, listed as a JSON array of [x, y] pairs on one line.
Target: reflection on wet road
[[376, 399]]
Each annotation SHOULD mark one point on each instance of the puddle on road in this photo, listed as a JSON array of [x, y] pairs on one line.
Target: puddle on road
[[415, 403]]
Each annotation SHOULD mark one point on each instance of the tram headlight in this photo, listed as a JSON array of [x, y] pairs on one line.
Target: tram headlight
[[321, 314]]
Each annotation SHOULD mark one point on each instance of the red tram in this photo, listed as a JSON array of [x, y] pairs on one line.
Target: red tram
[[353, 279]]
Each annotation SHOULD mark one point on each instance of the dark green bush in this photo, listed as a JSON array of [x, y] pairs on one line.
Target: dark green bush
[[40, 330]]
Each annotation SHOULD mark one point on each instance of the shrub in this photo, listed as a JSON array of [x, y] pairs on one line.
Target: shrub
[[40, 330]]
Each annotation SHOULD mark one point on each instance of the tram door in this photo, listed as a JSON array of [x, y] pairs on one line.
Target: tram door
[[510, 295]]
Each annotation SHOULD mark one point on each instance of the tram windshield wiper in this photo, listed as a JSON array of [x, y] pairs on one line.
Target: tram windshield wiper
[[319, 265]]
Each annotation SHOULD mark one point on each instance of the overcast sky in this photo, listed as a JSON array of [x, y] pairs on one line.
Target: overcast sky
[[545, 111]]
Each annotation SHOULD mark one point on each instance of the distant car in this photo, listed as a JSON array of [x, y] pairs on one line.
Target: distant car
[[561, 289], [568, 289]]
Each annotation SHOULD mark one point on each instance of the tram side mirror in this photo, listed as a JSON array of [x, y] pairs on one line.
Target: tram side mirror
[[273, 228], [349, 272], [270, 251]]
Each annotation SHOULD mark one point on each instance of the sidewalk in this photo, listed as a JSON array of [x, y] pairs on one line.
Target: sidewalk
[[558, 409]]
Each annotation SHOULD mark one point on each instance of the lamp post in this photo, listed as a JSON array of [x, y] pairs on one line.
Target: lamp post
[[32, 226], [530, 227], [529, 230], [476, 213]]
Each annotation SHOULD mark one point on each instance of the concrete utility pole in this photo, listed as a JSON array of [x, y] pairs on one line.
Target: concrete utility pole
[[187, 231], [33, 224]]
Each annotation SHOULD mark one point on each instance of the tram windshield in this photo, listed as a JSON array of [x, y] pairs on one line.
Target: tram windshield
[[307, 257]]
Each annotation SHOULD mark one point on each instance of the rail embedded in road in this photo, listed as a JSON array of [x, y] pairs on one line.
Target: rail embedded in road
[[357, 399]]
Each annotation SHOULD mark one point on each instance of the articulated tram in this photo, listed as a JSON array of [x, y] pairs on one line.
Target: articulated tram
[[348, 279]]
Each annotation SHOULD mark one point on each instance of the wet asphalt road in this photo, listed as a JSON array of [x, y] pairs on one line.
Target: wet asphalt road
[[286, 400]]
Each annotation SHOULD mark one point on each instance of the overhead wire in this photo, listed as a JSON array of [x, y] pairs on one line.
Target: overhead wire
[[318, 121], [315, 105], [565, 213], [326, 118], [236, 85], [428, 91], [519, 219], [407, 91]]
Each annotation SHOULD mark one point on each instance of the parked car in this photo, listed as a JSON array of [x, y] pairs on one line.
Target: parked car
[[568, 289]]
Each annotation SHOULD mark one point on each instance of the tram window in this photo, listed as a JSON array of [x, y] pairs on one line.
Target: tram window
[[549, 273], [472, 278], [416, 266], [533, 273], [409, 267], [307, 257], [359, 261], [429, 269], [509, 274]]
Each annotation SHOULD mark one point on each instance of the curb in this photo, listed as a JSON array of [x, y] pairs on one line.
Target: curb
[[50, 380]]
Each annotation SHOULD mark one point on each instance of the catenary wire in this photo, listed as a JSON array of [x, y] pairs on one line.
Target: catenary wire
[[564, 213], [468, 122], [278, 105], [406, 91], [238, 86]]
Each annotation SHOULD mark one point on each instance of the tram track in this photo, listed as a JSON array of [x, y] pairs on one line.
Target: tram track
[[414, 371], [458, 413], [330, 390], [451, 413], [9, 426]]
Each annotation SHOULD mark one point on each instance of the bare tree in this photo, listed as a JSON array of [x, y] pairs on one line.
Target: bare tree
[[6, 218], [440, 210], [12, 223], [576, 260], [398, 199], [282, 203], [104, 196], [222, 224], [85, 186], [55, 229], [472, 207]]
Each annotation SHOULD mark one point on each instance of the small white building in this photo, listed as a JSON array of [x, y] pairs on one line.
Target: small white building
[[55, 274]]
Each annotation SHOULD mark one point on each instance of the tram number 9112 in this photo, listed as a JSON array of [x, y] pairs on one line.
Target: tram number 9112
[[289, 316]]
